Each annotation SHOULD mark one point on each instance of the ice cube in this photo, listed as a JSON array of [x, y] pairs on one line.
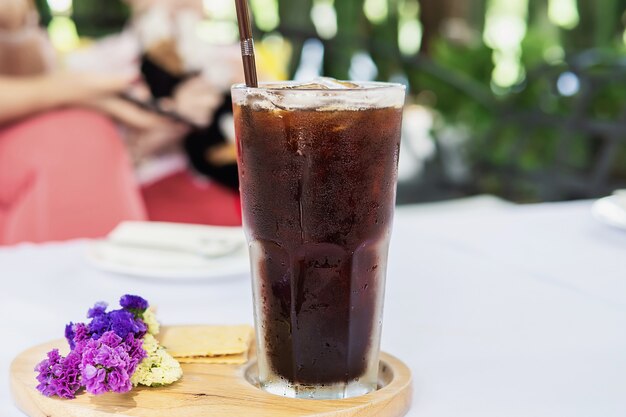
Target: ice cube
[[331, 83], [319, 83]]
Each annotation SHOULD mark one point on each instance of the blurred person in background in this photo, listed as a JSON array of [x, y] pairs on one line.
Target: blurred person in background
[[173, 60], [64, 169]]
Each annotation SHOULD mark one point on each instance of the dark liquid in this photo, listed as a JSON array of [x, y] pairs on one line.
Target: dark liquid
[[318, 190]]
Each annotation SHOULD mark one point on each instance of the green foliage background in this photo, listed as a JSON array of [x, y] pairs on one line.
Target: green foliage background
[[526, 142]]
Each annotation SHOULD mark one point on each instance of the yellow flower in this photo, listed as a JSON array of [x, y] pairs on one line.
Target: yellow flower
[[158, 368], [151, 321]]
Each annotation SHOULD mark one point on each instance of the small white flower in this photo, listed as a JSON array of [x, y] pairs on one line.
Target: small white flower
[[149, 317], [158, 368]]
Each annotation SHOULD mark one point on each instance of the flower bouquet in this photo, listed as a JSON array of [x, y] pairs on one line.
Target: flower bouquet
[[115, 351]]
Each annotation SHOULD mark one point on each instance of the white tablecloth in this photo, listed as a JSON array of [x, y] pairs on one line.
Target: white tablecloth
[[501, 311]]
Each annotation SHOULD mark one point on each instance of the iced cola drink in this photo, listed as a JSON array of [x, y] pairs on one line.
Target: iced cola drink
[[318, 167]]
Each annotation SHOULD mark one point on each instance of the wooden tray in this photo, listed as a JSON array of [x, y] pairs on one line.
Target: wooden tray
[[208, 391]]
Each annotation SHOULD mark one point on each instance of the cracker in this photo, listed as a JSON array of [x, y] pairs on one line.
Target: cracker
[[206, 341]]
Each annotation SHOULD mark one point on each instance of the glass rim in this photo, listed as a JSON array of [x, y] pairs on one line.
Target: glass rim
[[279, 87]]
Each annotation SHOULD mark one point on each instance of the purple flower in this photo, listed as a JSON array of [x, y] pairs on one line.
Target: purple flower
[[95, 380], [99, 325], [75, 333], [122, 322], [97, 310], [69, 334], [134, 303], [58, 375], [135, 351], [119, 380], [81, 333], [108, 362], [104, 353]]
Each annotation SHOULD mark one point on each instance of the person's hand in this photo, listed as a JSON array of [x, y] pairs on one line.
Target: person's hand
[[221, 154], [196, 100], [147, 133], [85, 88], [14, 14], [155, 140]]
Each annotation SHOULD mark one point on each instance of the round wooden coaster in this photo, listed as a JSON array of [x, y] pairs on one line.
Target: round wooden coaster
[[208, 391]]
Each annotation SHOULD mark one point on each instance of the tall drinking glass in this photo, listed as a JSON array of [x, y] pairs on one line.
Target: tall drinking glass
[[318, 170]]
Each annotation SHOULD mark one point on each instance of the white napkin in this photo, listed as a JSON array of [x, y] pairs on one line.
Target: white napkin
[[200, 240], [620, 198], [171, 251], [611, 210]]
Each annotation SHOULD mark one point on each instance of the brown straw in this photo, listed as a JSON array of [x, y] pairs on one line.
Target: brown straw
[[247, 43]]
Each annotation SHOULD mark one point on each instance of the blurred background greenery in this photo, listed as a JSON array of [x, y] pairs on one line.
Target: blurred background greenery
[[519, 98]]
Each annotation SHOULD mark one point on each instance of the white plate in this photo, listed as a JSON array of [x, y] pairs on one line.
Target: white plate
[[171, 262], [610, 210]]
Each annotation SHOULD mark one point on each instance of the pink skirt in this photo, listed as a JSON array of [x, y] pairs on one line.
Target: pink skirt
[[66, 174]]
